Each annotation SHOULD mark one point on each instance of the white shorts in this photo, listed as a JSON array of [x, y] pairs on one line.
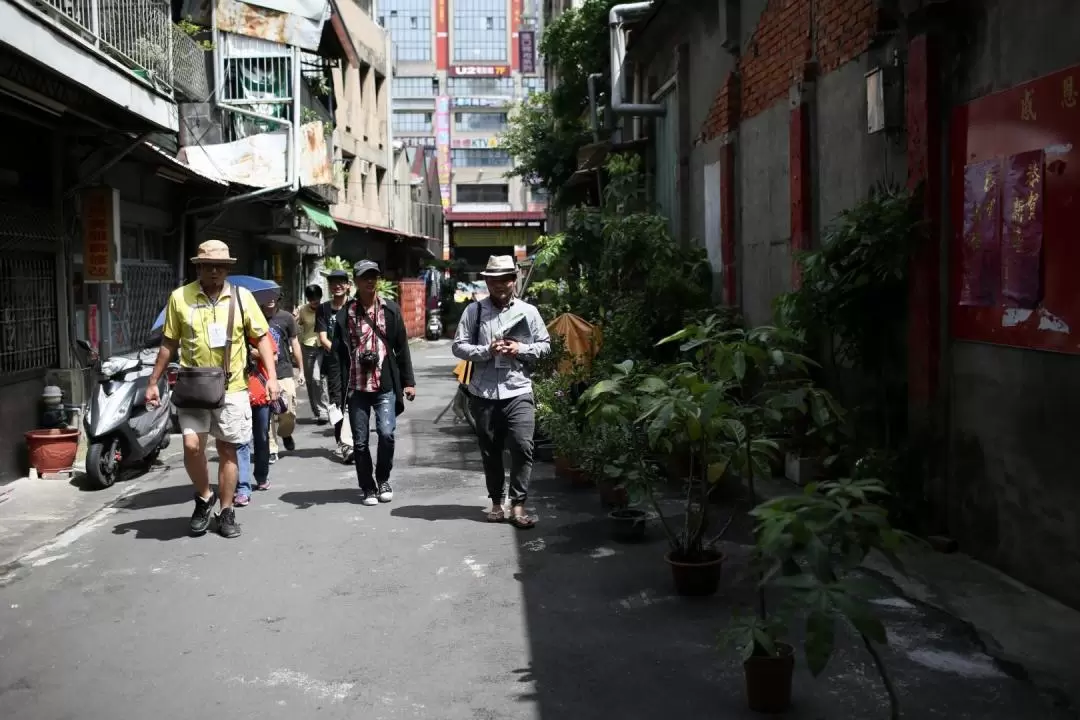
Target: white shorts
[[230, 423]]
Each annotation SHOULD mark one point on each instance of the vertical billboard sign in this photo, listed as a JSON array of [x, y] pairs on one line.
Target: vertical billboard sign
[[442, 146], [442, 35], [100, 210], [527, 45], [515, 26]]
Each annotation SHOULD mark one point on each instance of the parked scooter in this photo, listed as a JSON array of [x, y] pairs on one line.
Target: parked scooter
[[434, 326], [122, 432]]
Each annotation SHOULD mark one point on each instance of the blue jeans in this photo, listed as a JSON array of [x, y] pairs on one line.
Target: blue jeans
[[258, 450], [361, 404]]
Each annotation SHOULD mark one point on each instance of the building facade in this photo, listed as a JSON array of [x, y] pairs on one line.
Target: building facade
[[459, 66]]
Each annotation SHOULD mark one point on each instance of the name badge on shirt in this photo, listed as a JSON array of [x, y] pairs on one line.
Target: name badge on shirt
[[217, 335]]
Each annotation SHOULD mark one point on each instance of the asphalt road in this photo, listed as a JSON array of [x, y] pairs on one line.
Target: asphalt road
[[417, 609]]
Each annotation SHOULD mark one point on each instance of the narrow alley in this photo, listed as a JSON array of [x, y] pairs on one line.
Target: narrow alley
[[417, 609]]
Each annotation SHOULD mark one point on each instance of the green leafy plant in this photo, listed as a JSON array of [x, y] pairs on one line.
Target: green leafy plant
[[812, 545], [387, 289], [752, 635], [192, 30], [336, 262]]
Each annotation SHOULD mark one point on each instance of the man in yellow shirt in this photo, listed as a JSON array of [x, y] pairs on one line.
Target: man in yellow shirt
[[196, 320], [306, 317]]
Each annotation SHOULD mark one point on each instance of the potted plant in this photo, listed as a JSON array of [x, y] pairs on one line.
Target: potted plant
[[768, 663], [561, 423], [818, 424], [813, 544]]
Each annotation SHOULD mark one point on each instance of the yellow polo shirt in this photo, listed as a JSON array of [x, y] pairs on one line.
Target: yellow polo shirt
[[190, 316], [306, 321]]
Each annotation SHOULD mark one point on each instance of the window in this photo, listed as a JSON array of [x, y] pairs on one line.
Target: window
[[480, 31], [483, 193], [414, 122], [413, 87], [409, 24], [479, 157], [470, 86], [538, 195], [532, 85], [479, 121]]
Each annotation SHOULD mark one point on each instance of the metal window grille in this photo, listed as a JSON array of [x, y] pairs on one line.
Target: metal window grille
[[257, 76], [471, 86], [412, 122], [479, 157], [480, 31], [409, 25], [483, 193], [136, 303], [412, 87], [28, 333], [479, 121]]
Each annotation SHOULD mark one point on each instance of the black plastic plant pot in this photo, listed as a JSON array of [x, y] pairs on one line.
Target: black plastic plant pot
[[699, 577], [627, 525], [768, 680]]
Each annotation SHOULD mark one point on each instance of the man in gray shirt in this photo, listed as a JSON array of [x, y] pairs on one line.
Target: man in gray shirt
[[500, 335]]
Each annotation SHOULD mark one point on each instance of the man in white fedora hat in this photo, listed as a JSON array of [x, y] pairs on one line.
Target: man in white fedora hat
[[501, 336], [209, 323]]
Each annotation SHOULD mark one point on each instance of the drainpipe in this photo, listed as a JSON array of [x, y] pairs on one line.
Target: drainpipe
[[618, 15]]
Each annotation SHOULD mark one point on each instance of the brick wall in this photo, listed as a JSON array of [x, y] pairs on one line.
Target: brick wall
[[780, 48], [411, 297]]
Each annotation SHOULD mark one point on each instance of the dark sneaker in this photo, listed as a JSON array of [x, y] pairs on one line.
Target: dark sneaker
[[200, 519], [386, 493], [290, 444], [227, 526]]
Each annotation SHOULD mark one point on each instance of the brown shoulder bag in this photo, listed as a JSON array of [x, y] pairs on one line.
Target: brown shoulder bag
[[203, 388]]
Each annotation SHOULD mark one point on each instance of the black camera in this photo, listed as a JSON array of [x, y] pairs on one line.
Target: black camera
[[368, 359]]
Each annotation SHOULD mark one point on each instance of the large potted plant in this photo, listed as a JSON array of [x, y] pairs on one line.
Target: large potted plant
[[768, 662], [812, 545], [561, 422]]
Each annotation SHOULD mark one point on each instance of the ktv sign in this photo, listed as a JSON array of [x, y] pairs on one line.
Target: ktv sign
[[496, 71]]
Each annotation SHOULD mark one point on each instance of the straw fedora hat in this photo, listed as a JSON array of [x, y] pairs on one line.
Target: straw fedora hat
[[213, 252], [500, 266]]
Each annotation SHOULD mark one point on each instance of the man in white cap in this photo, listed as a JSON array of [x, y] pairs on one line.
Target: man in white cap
[[209, 322], [501, 335]]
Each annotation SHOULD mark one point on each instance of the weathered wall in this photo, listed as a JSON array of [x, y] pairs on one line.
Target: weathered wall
[[1013, 496]]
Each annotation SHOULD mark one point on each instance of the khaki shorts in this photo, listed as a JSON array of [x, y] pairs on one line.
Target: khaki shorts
[[231, 423]]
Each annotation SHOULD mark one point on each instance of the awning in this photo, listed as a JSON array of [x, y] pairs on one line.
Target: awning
[[387, 230], [519, 216], [320, 217]]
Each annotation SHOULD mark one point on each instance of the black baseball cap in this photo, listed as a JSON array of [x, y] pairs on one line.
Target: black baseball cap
[[364, 267], [338, 275]]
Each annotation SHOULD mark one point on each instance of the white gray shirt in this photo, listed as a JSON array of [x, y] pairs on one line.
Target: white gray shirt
[[499, 377]]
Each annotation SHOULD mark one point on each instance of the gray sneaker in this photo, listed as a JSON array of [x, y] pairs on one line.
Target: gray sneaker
[[370, 498], [386, 493]]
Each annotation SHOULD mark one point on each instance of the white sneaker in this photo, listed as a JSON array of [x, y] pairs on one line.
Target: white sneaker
[[370, 499], [386, 493]]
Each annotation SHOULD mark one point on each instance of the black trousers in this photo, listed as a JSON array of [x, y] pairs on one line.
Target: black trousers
[[501, 424]]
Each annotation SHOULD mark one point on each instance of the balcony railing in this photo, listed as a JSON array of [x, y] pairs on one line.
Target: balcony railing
[[139, 35]]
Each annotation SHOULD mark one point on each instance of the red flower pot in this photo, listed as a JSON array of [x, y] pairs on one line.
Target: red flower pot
[[566, 470], [52, 450]]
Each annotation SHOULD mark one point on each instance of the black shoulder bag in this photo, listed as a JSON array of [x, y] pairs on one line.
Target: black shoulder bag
[[203, 388]]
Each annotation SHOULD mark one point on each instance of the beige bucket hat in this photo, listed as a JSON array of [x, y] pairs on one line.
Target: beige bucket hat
[[213, 252]]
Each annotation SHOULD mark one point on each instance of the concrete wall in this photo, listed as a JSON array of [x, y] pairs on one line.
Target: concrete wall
[[1013, 496]]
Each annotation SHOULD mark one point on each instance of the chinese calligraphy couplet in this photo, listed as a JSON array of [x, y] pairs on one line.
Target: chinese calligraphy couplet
[[1022, 229], [981, 259]]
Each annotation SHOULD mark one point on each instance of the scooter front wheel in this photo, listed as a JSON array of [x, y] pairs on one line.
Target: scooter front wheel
[[102, 464]]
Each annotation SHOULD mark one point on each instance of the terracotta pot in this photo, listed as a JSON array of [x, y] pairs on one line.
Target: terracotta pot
[[52, 450], [696, 579], [612, 495], [768, 680], [566, 470]]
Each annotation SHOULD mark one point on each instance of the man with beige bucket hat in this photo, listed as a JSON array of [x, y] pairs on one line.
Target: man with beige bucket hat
[[209, 323]]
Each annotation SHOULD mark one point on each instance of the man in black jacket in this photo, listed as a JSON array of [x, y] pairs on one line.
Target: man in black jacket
[[372, 348]]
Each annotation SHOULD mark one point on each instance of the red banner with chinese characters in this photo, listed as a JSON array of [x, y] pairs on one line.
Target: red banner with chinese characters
[[981, 255], [515, 28], [1022, 229], [99, 213], [442, 35]]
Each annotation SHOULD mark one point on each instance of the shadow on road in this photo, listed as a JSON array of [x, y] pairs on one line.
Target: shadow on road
[[304, 499], [161, 529], [441, 512], [158, 497]]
